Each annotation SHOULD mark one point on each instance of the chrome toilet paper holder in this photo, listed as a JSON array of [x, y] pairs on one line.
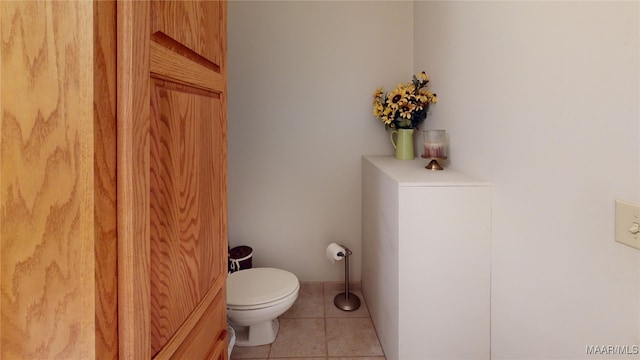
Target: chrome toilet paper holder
[[345, 300]]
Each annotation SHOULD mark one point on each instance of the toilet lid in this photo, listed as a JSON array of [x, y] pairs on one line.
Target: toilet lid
[[259, 285]]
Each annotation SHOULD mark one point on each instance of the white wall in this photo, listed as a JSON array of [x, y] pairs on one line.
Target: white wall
[[539, 98], [542, 100], [301, 77]]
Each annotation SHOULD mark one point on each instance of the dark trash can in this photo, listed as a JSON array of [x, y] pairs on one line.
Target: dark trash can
[[240, 258]]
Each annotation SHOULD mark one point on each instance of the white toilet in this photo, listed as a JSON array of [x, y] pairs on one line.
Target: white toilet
[[255, 299]]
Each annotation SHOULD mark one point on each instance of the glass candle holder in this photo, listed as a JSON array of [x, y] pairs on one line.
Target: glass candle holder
[[436, 147]]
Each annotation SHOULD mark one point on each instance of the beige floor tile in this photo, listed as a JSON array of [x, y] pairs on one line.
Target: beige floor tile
[[331, 311], [352, 337], [309, 303], [250, 352], [300, 338], [314, 329]]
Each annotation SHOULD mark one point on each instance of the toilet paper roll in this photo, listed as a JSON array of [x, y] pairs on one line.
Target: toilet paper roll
[[335, 252]]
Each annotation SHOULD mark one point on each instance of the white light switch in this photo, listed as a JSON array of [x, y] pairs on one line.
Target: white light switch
[[628, 223]]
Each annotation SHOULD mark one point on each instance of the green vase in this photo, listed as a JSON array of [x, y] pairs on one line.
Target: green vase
[[403, 143]]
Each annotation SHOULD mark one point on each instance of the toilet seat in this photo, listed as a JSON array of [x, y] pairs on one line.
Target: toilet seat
[[258, 288]]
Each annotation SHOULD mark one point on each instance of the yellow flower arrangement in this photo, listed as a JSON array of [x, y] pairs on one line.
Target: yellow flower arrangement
[[406, 106]]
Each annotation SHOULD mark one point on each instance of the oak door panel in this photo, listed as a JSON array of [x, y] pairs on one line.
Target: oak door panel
[[194, 25], [172, 157], [184, 220], [47, 284], [206, 338]]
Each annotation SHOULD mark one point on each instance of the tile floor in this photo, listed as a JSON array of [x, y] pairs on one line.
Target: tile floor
[[315, 329]]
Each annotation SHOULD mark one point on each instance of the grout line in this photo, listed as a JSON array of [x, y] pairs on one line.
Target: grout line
[[324, 310], [324, 313]]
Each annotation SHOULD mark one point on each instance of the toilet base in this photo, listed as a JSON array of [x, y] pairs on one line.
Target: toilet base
[[257, 334]]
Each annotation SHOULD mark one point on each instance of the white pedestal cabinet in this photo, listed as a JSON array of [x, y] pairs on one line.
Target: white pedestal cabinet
[[426, 242]]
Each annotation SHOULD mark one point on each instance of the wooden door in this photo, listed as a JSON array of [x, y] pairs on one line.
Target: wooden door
[[172, 233], [57, 180]]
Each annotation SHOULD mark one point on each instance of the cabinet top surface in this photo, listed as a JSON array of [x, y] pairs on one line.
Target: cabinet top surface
[[413, 173]]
